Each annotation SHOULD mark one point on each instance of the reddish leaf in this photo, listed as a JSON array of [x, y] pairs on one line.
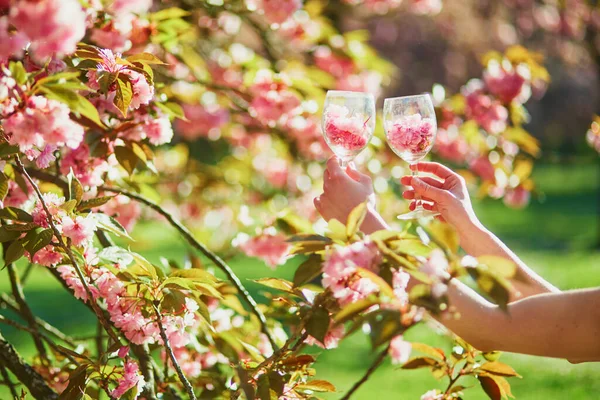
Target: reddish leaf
[[490, 387]]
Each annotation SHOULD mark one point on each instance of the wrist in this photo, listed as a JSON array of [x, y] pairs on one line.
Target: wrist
[[470, 231]]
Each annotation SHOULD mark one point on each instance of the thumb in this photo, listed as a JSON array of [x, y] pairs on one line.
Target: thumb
[[426, 190]]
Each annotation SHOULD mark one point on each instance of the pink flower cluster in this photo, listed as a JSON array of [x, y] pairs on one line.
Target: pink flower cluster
[[345, 132], [490, 114], [340, 273], [436, 267], [143, 92], [517, 197], [273, 102], [269, 247], [399, 350], [336, 65], [306, 132], [452, 146], [131, 378], [426, 7], [202, 121], [507, 84], [89, 170], [433, 394], [413, 134], [54, 27], [277, 11], [332, 338], [156, 128], [41, 123], [593, 135], [123, 25], [193, 362]]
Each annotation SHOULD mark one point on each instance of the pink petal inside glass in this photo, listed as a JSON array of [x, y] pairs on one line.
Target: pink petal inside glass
[[347, 134], [411, 137]]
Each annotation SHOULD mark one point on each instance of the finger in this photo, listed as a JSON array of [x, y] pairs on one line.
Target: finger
[[410, 195], [334, 168], [326, 175], [434, 168], [406, 181], [358, 176], [317, 203], [425, 190]]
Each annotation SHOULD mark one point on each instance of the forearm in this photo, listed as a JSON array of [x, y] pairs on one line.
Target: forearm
[[477, 241]]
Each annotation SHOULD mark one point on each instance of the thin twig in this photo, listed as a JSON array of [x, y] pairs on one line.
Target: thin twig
[[67, 250], [45, 326], [9, 383], [25, 311], [188, 387], [203, 249], [367, 374], [26, 273], [36, 384]]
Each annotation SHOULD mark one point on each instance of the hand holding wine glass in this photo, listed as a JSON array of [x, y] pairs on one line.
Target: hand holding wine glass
[[410, 127], [348, 123]]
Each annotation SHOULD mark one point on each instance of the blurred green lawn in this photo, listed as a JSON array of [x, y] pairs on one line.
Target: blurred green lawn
[[556, 235]]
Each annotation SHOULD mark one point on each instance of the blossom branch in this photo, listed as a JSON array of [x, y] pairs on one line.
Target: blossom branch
[[209, 254], [188, 387], [10, 359], [67, 250], [25, 311], [367, 374]]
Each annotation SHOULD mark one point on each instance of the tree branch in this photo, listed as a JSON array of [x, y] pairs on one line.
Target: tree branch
[[67, 250], [367, 374], [188, 387], [25, 311], [203, 249], [10, 359], [9, 383], [142, 353]]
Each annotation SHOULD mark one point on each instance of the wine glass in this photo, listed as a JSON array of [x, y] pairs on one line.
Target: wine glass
[[410, 127], [348, 123]]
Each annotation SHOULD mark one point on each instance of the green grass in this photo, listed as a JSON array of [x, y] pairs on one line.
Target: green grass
[[557, 236]]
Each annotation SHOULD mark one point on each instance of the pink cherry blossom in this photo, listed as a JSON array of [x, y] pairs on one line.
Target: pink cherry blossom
[[400, 281], [452, 147], [517, 197], [349, 133], [68, 274], [433, 394], [45, 157], [53, 26], [365, 81], [436, 265], [123, 351], [43, 122], [399, 350], [156, 128], [487, 112], [132, 378], [46, 256], [426, 7], [272, 102], [53, 203], [130, 6], [89, 170], [115, 33], [270, 247], [507, 85], [306, 131], [80, 230], [411, 136], [332, 338], [336, 65], [16, 197], [142, 90], [276, 11], [11, 44], [202, 121], [483, 168]]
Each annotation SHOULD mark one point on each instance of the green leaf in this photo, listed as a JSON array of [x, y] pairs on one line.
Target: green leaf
[[8, 149], [127, 158], [308, 270], [276, 283], [76, 102], [412, 247], [352, 309], [195, 275], [355, 219], [40, 240], [499, 265], [168, 13], [75, 188], [171, 109], [145, 58], [65, 76], [317, 385], [7, 235], [428, 350], [77, 383], [18, 72], [376, 279], [123, 95], [14, 252], [15, 214], [116, 255], [111, 225], [490, 387], [69, 206], [317, 324], [92, 203], [385, 327]]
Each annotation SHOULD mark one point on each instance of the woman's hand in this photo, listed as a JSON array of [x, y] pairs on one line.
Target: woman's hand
[[343, 191], [447, 195]]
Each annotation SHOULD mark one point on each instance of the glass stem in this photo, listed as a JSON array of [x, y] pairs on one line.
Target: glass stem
[[343, 163], [414, 173]]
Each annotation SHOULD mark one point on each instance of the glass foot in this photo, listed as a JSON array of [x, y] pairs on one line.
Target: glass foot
[[418, 214]]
